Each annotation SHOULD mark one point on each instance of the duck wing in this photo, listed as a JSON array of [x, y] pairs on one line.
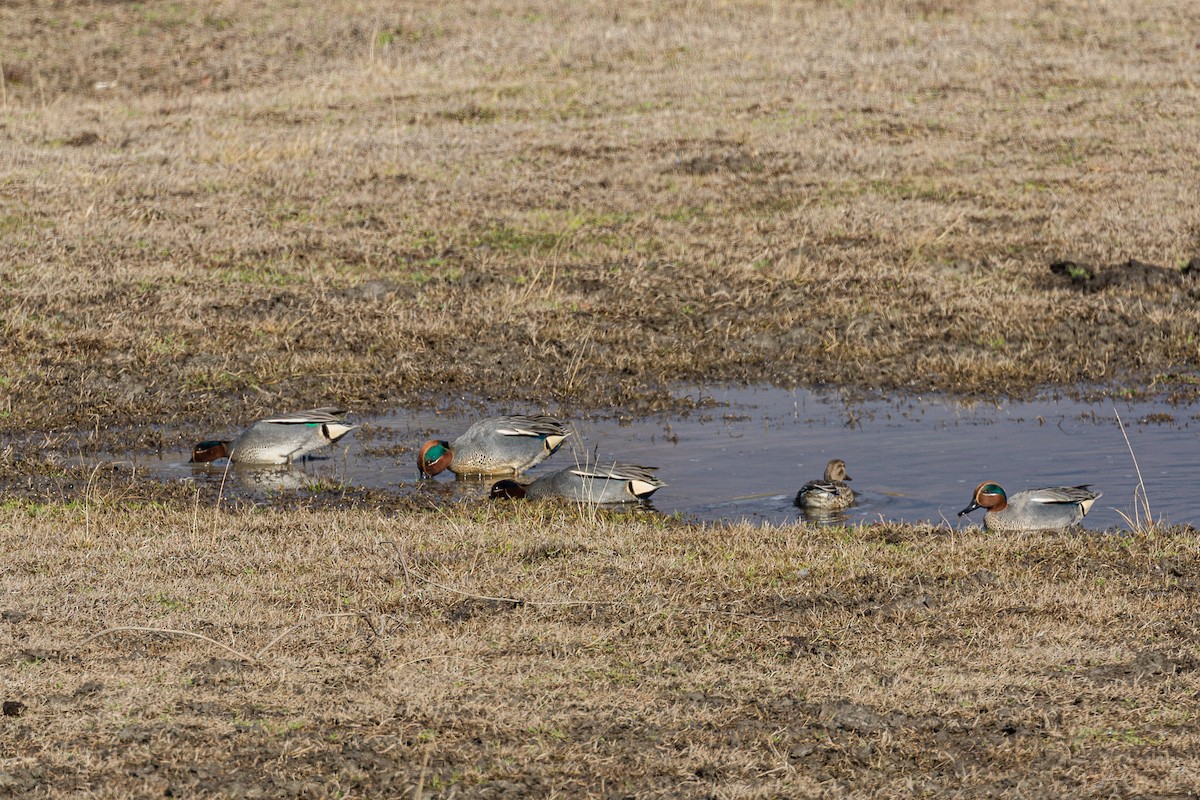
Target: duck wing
[[829, 488], [530, 425], [313, 416], [1054, 495]]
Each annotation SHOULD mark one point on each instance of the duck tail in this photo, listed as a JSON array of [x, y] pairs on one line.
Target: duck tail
[[336, 430]]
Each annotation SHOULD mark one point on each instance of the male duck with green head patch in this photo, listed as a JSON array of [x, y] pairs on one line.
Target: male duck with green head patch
[[506, 445], [1053, 508], [600, 484], [282, 439]]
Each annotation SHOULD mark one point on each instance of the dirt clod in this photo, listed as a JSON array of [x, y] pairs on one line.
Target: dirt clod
[[844, 715], [1131, 274], [1148, 665]]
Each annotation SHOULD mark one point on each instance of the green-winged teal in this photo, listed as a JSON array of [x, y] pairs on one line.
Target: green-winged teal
[[831, 492], [610, 483], [495, 446], [282, 439], [1035, 509]]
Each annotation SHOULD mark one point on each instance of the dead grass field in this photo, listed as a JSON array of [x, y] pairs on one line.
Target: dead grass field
[[212, 210], [547, 652], [211, 206]]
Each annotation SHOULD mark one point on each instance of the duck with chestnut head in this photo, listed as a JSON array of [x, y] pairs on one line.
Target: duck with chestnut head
[[506, 445], [281, 439], [1053, 508], [598, 484]]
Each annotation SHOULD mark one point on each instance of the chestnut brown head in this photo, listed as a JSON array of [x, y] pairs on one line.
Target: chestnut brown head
[[209, 451], [435, 457], [507, 489], [987, 495]]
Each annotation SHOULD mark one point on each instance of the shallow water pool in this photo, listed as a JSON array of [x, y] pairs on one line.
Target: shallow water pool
[[915, 459]]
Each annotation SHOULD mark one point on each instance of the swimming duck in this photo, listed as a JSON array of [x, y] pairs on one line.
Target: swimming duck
[[829, 493], [282, 439], [1035, 509], [611, 483], [505, 445]]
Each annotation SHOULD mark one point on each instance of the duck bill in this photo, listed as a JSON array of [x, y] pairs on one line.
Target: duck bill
[[969, 509]]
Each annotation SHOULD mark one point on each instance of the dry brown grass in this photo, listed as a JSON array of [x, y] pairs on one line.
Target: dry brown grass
[[642, 657], [213, 209], [237, 203]]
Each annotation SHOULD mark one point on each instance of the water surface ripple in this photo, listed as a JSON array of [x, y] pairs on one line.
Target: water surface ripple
[[914, 459]]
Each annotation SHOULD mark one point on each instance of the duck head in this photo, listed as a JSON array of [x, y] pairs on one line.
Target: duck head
[[435, 457], [987, 495], [835, 470], [209, 451], [507, 489]]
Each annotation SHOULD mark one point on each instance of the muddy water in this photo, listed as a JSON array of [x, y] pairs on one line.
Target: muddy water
[[915, 459]]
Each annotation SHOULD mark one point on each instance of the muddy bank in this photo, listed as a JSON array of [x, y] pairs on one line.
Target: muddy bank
[[615, 349]]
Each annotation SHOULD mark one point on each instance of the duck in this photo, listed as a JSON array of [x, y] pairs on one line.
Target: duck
[[830, 493], [282, 439], [506, 445], [1052, 508], [600, 484]]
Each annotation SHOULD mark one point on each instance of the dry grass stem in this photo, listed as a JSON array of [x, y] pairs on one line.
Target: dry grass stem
[[1141, 500], [514, 600], [168, 632], [288, 632]]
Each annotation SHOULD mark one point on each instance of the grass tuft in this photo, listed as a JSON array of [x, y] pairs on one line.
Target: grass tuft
[[518, 640]]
